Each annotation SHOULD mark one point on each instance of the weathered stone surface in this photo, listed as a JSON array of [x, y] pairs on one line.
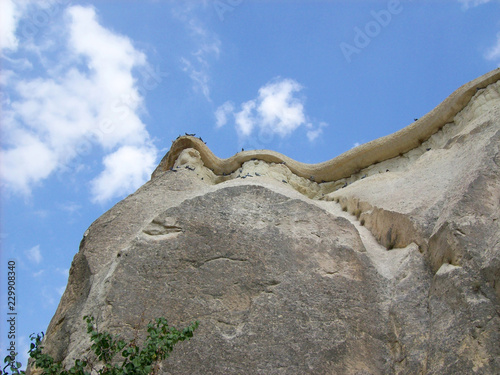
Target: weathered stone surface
[[391, 269]]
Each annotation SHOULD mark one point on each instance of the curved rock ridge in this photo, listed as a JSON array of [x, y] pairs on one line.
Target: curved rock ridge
[[350, 162]]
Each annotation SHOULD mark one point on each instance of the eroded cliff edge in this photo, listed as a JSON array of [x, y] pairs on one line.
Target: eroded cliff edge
[[383, 260]]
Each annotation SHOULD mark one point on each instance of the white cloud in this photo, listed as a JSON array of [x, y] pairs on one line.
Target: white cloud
[[34, 254], [90, 97], [125, 169], [313, 133], [9, 17], [222, 112], [356, 144], [277, 110], [12, 11], [27, 163], [244, 119]]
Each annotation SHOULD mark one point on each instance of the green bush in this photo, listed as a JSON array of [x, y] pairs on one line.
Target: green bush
[[134, 360]]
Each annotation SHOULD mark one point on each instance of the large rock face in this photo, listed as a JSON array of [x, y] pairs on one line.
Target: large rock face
[[389, 266]]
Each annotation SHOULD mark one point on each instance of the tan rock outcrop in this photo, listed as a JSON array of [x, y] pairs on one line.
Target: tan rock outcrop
[[389, 266], [353, 160]]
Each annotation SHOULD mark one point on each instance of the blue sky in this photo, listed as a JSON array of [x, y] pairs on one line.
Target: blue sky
[[93, 93]]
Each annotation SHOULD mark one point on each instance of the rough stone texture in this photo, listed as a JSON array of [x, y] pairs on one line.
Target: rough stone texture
[[393, 269]]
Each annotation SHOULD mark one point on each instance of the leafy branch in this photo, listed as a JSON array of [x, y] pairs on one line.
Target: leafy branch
[[135, 360]]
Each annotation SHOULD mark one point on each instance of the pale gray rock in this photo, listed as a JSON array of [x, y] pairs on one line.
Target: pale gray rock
[[394, 269]]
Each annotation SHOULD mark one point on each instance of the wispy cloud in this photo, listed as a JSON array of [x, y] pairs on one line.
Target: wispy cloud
[[70, 207], [207, 47], [34, 254], [277, 110], [63, 271], [494, 52], [50, 297], [199, 76], [90, 97], [38, 273], [466, 4], [313, 133]]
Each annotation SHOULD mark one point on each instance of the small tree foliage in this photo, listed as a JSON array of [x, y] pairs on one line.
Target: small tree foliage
[[132, 359]]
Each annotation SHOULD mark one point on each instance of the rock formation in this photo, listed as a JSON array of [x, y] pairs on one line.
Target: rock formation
[[384, 260]]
